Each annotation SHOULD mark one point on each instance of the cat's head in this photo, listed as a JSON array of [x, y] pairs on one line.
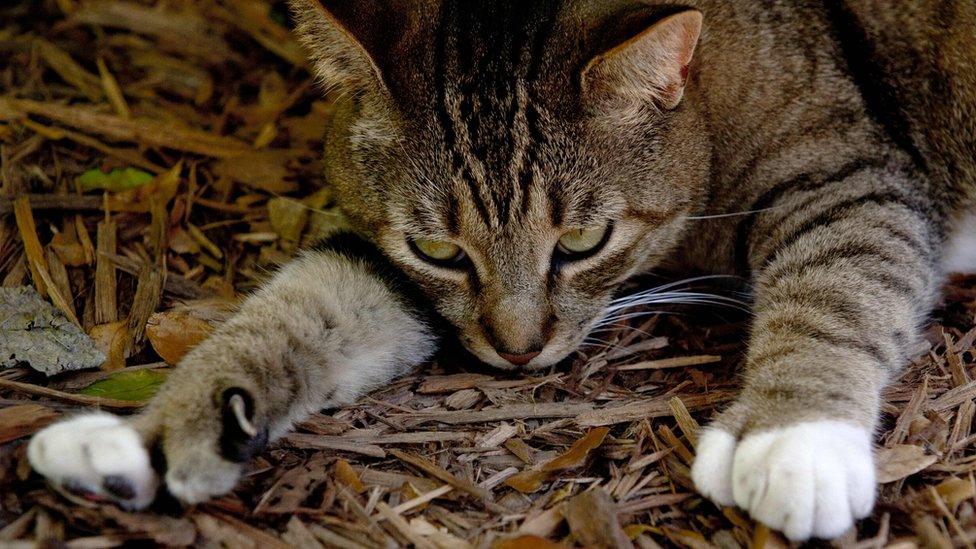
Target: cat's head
[[518, 159]]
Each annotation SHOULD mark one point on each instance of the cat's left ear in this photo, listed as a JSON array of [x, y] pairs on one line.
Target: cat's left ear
[[653, 65]]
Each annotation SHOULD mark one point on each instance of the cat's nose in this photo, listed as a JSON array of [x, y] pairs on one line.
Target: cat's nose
[[519, 359]]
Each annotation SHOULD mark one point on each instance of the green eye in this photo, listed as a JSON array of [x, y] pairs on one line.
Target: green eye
[[580, 243], [437, 251]]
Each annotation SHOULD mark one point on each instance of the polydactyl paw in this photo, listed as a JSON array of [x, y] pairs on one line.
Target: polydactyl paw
[[103, 457], [811, 479]]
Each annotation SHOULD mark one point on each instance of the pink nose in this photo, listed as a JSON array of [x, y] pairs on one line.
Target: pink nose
[[519, 360]]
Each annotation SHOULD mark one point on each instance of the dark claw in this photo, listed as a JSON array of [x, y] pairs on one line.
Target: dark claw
[[119, 487], [236, 444], [75, 488]]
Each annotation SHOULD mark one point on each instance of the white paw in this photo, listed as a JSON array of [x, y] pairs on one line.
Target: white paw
[[96, 455], [808, 480]]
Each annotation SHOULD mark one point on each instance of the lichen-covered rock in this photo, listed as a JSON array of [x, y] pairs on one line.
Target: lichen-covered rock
[[32, 331]]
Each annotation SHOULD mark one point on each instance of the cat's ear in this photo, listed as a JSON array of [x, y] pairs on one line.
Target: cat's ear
[[651, 65], [350, 41]]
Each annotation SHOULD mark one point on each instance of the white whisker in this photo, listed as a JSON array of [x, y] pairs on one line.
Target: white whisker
[[730, 214]]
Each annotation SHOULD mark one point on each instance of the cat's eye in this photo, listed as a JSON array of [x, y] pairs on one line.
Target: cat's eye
[[581, 243], [438, 252]]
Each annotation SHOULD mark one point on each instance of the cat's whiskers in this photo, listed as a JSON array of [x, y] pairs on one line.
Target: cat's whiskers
[[730, 214], [675, 298], [601, 344], [621, 328], [622, 309]]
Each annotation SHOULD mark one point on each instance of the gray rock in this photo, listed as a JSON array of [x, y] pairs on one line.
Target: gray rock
[[34, 332]]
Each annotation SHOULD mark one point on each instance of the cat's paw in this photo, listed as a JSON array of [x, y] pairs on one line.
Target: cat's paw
[[812, 479], [97, 456], [103, 457]]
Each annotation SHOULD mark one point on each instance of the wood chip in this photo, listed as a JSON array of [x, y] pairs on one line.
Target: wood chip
[[36, 258], [517, 411], [901, 461], [54, 394], [24, 420], [676, 362], [441, 474], [106, 309], [145, 131], [651, 408]]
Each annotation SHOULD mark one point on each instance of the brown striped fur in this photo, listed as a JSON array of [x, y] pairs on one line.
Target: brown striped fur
[[474, 125]]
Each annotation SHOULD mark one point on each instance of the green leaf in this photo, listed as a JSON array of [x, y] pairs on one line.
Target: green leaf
[[114, 181], [127, 385]]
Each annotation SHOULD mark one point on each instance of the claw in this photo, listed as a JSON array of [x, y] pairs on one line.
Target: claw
[[239, 408]]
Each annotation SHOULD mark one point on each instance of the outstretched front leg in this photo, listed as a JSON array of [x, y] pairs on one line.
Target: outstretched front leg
[[846, 268], [330, 326]]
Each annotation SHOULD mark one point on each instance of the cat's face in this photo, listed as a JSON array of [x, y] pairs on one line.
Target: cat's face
[[519, 188]]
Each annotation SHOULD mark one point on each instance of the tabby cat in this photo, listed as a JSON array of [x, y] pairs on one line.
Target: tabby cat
[[510, 163]]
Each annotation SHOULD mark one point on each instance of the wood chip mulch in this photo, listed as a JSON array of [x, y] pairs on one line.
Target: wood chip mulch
[[202, 121]]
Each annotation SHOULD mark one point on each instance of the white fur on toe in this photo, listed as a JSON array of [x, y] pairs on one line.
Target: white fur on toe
[[712, 470], [812, 479], [99, 454]]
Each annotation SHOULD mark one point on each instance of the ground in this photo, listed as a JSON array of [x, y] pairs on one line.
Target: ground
[[168, 153]]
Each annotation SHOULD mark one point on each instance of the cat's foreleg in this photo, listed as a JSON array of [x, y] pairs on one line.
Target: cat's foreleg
[[328, 327], [845, 273]]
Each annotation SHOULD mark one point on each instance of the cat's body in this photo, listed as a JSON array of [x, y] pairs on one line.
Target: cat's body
[[801, 93], [518, 160]]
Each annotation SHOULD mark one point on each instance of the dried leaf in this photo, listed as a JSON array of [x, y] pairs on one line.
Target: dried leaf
[[527, 542], [901, 461], [110, 339], [531, 480], [592, 518], [173, 333], [165, 185], [69, 250], [956, 490], [346, 475], [133, 385], [288, 218]]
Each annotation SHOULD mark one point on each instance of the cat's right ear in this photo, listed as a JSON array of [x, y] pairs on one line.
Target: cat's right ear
[[350, 41]]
